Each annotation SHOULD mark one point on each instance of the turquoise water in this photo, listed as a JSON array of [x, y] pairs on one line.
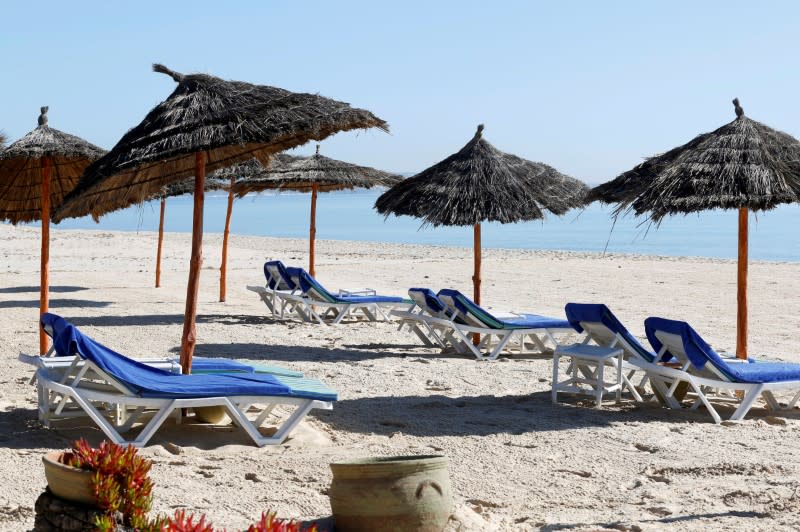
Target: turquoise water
[[349, 216]]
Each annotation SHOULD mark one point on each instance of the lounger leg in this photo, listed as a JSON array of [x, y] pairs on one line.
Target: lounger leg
[[101, 421], [625, 382], [600, 384], [422, 336], [747, 401], [153, 425], [704, 400], [793, 401], [289, 425], [340, 316], [370, 315], [772, 403], [538, 342], [661, 387], [554, 391], [500, 346]]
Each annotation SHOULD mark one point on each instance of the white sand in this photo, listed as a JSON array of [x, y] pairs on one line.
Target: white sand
[[517, 462]]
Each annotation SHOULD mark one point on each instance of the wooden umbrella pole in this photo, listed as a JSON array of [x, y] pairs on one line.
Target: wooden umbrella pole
[[741, 292], [223, 268], [45, 265], [476, 277], [189, 338], [312, 232], [160, 241]]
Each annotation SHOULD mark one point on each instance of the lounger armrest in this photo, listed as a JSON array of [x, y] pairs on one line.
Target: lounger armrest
[[734, 360], [357, 292], [33, 360]]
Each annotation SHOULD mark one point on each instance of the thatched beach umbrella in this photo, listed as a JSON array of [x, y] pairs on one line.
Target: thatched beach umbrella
[[206, 123], [743, 165], [177, 189], [482, 184], [36, 172], [315, 174]]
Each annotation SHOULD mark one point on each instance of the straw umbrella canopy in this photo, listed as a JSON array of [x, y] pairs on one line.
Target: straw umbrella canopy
[[205, 124], [743, 165], [36, 172], [478, 184], [315, 174], [177, 189]]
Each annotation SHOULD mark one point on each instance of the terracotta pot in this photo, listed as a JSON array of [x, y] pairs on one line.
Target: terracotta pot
[[398, 493], [66, 481]]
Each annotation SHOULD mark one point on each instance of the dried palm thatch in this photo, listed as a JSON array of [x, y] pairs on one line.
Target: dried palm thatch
[[303, 174], [311, 174], [743, 164], [36, 172], [204, 125], [252, 169], [21, 166], [3, 139], [480, 183], [230, 121], [179, 188]]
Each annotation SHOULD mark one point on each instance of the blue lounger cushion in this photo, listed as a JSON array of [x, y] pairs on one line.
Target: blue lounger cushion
[[700, 354], [431, 302], [599, 313], [524, 321], [147, 381], [309, 284], [284, 279], [57, 324]]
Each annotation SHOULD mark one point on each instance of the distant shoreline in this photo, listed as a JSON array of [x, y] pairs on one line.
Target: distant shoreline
[[488, 250]]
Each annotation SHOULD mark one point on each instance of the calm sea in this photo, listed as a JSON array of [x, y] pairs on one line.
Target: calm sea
[[349, 216]]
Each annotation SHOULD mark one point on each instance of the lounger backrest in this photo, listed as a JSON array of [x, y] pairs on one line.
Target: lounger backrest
[[680, 340], [426, 299], [293, 273], [468, 310], [605, 329], [54, 325], [277, 276], [138, 378], [313, 289]]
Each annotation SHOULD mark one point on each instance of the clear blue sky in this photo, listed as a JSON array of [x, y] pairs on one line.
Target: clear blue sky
[[589, 87]]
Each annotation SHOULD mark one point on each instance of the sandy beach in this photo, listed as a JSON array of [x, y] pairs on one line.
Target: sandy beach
[[517, 462]]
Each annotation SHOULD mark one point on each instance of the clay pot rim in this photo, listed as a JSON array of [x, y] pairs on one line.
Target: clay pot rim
[[387, 466], [391, 460], [54, 458]]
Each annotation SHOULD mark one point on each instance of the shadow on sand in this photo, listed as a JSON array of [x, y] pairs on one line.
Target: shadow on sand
[[52, 289], [143, 320], [293, 353], [56, 304], [484, 415], [20, 429]]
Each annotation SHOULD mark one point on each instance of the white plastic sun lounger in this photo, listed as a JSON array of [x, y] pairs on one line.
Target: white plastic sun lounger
[[713, 378], [603, 328], [60, 362], [317, 305], [429, 319], [279, 283], [499, 335], [118, 393]]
